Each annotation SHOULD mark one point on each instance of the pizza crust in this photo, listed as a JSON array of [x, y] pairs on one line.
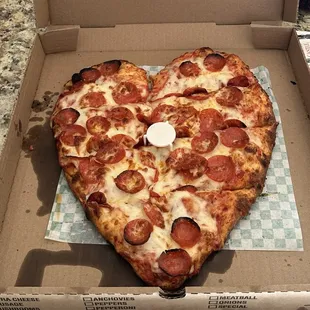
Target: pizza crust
[[136, 195]]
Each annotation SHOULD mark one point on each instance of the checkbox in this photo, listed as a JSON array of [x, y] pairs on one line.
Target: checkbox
[[212, 307], [212, 302], [87, 298], [90, 308], [88, 303], [213, 297]]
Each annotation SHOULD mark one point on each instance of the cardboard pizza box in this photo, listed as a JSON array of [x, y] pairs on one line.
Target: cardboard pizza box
[[36, 273]]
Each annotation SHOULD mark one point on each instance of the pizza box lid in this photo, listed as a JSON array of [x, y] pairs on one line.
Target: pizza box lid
[[108, 13]]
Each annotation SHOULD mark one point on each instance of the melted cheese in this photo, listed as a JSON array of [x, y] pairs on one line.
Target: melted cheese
[[160, 239], [211, 103], [134, 128], [130, 204], [211, 81], [254, 137], [201, 215]]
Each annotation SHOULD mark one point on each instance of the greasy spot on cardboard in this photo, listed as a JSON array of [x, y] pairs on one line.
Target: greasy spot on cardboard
[[49, 99], [36, 119], [18, 128], [59, 198]]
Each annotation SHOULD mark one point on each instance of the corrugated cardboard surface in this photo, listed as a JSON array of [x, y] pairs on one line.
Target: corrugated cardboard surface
[[94, 13], [27, 259], [18, 126], [200, 301]]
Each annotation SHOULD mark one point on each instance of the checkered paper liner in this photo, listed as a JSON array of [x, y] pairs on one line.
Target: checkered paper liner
[[273, 222]]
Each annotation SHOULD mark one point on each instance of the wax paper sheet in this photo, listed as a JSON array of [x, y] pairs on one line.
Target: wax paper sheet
[[273, 222]]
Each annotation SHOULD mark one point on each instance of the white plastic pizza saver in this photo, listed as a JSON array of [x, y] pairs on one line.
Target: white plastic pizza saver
[[160, 134]]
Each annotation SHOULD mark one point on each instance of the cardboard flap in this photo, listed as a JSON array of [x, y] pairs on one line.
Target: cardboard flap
[[271, 36], [290, 10], [301, 70], [164, 36], [41, 13], [57, 39], [97, 13]]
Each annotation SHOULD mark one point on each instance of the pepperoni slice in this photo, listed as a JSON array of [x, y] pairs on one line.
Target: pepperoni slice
[[210, 120], [76, 77], [98, 125], [138, 231], [75, 87], [91, 171], [73, 135], [188, 188], [196, 172], [214, 62], [229, 96], [234, 123], [96, 201], [97, 197], [184, 159], [189, 205], [126, 92], [182, 132], [162, 113], [143, 118], [159, 201], [205, 142], [234, 137], [109, 67], [220, 168], [120, 116], [93, 100], [90, 75], [156, 176], [239, 80], [124, 140], [66, 117], [96, 142], [185, 232], [154, 214], [110, 153], [147, 159], [175, 262], [130, 181], [183, 114], [191, 91], [187, 68]]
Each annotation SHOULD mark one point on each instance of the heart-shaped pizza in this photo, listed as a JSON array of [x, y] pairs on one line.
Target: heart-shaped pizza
[[165, 209]]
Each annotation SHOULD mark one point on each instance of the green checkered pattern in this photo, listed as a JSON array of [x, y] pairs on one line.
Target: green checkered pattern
[[273, 222]]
